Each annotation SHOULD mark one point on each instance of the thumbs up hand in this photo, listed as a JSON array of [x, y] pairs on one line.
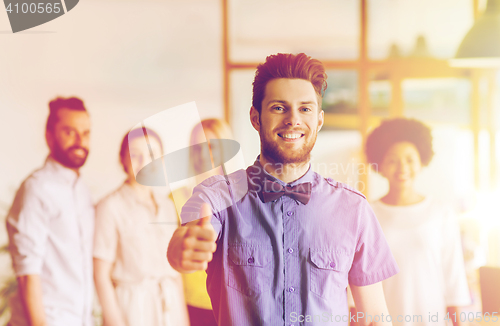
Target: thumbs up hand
[[192, 246]]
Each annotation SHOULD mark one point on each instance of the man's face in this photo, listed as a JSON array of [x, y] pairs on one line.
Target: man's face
[[289, 120], [69, 140]]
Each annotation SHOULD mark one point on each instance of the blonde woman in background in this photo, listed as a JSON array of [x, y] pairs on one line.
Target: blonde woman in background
[[198, 301], [134, 281]]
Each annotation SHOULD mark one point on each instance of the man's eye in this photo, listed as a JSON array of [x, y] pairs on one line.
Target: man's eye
[[278, 108], [306, 109]]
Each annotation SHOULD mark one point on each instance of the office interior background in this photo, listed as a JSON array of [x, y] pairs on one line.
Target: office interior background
[[130, 59]]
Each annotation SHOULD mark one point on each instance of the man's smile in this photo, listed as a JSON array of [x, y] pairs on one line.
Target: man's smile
[[290, 136]]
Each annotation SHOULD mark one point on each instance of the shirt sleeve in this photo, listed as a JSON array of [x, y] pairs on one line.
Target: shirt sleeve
[[373, 261], [213, 191], [106, 232], [191, 210], [455, 280], [28, 224]]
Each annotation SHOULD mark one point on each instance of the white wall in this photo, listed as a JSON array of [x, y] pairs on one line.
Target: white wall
[[127, 60]]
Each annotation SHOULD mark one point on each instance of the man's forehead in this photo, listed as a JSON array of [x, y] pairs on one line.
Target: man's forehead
[[65, 110], [288, 90], [72, 118]]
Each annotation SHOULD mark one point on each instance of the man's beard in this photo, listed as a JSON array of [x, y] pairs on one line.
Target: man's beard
[[275, 154], [65, 158]]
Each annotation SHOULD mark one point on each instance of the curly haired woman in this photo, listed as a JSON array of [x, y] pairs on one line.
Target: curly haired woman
[[423, 233]]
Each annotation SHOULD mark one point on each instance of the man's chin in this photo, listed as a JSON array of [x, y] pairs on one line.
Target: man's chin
[[290, 153], [286, 158], [72, 162]]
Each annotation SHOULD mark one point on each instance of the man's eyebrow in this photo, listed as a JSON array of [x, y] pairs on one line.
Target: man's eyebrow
[[277, 101], [285, 102]]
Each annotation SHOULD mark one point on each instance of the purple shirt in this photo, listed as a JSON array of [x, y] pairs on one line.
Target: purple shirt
[[283, 262]]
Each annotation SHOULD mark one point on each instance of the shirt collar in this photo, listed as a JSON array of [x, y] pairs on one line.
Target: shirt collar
[[68, 175], [158, 195]]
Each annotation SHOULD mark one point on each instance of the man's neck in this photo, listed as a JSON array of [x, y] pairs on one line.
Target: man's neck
[[287, 173], [76, 170]]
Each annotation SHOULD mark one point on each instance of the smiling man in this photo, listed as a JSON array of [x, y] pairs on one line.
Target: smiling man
[[51, 227], [284, 252]]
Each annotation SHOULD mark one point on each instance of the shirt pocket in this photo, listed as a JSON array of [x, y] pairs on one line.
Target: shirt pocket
[[250, 269], [329, 272]]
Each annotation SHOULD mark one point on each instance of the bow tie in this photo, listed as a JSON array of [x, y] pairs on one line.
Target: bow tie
[[273, 190]]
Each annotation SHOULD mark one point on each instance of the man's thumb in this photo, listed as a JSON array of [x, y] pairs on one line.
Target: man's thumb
[[205, 215]]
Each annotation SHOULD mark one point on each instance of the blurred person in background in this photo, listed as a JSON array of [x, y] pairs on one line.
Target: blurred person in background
[[134, 281], [51, 227], [202, 164], [423, 233]]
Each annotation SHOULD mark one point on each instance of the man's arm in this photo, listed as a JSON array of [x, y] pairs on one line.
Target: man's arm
[[30, 290], [370, 301], [192, 245], [27, 226]]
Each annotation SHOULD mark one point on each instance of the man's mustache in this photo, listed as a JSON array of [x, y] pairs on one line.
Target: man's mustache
[[283, 131], [78, 147]]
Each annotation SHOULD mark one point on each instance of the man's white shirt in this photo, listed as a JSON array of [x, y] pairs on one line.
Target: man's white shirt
[[50, 227]]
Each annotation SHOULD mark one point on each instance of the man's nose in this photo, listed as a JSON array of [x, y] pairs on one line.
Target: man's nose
[[292, 118], [82, 140], [77, 140]]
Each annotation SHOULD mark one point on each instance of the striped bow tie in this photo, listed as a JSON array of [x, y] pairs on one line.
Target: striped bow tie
[[273, 190]]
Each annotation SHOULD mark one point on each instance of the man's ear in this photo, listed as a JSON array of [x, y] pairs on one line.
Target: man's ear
[[321, 119], [49, 138], [254, 118]]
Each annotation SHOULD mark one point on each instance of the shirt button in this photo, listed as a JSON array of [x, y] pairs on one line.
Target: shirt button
[[251, 260], [332, 264], [289, 213], [291, 289], [290, 250]]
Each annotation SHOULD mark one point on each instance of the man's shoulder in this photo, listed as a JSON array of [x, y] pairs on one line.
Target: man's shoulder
[[36, 180], [341, 187], [47, 184], [217, 181], [33, 190], [220, 191]]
